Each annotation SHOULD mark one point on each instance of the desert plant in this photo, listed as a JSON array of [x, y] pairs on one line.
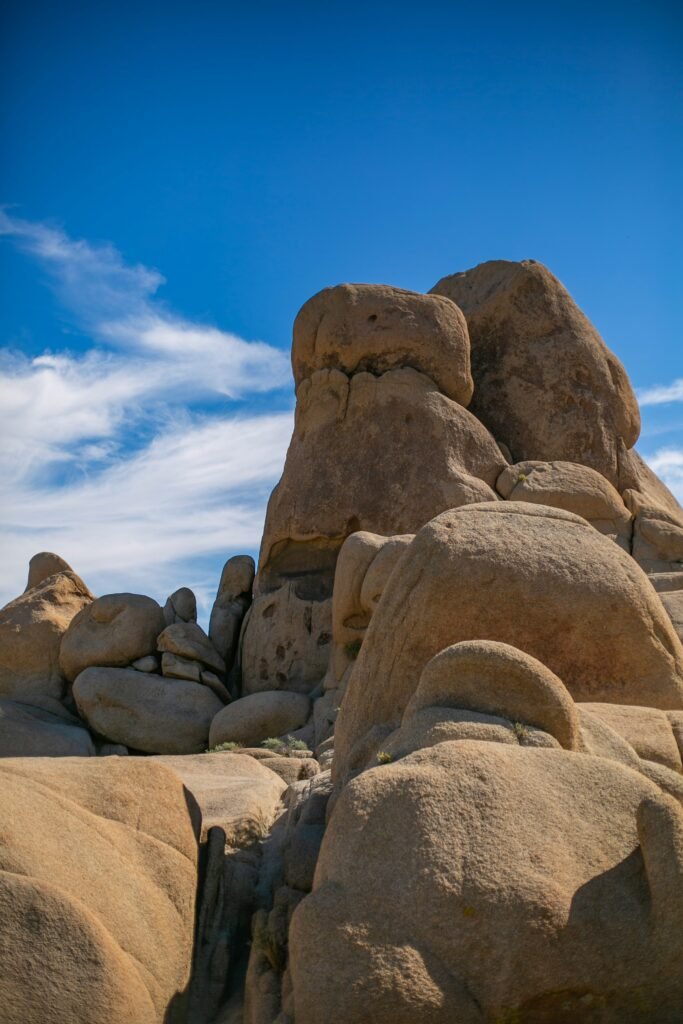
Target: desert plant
[[273, 743], [520, 730], [222, 747], [521, 478], [294, 744], [384, 757]]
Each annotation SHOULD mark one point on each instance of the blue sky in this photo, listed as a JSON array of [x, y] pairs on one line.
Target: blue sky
[[178, 178]]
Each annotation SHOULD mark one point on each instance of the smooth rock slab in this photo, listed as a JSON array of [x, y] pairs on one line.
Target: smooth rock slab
[[236, 793], [259, 717], [27, 731], [146, 712], [98, 874]]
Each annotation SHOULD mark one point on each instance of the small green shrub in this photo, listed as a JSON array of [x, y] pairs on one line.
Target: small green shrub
[[223, 747], [521, 478], [293, 744], [272, 743], [353, 648], [520, 730], [384, 757]]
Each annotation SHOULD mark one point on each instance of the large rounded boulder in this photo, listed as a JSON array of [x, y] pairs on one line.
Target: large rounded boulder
[[32, 627], [479, 882], [374, 327], [114, 630], [98, 874], [539, 579], [147, 712], [545, 382]]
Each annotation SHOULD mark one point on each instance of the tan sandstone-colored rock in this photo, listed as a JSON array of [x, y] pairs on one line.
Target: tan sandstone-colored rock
[[366, 560], [188, 640], [98, 872], [537, 578], [574, 488], [673, 603], [28, 731], [45, 564], [374, 327], [114, 630], [258, 717], [480, 882], [236, 793], [389, 452], [31, 631], [636, 475], [231, 604], [647, 730], [181, 606], [146, 712], [657, 534], [285, 641], [546, 385], [494, 678]]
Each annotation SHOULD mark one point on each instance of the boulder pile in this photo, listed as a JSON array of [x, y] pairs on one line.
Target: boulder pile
[[426, 764]]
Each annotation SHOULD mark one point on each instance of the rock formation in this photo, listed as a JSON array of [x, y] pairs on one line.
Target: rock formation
[[427, 763]]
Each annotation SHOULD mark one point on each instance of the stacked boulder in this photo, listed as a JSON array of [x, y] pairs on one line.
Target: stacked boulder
[[33, 717], [469, 604], [382, 442]]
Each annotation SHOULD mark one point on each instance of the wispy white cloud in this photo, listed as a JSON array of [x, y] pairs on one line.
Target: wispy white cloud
[[661, 394], [668, 464], [131, 459]]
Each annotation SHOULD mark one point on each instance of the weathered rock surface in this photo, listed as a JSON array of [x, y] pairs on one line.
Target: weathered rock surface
[[45, 564], [98, 870], [29, 731], [579, 920], [181, 606], [673, 603], [31, 631], [421, 453], [539, 579], [574, 488], [258, 717], [546, 385], [146, 712], [373, 327], [494, 678], [657, 534], [230, 607], [233, 792], [285, 641], [647, 730], [188, 640], [114, 630], [636, 475]]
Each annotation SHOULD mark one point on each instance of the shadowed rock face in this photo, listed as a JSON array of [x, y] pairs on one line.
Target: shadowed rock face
[[545, 383], [460, 857]]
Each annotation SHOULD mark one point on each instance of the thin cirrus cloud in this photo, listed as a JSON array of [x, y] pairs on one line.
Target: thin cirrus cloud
[[661, 394], [131, 458]]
